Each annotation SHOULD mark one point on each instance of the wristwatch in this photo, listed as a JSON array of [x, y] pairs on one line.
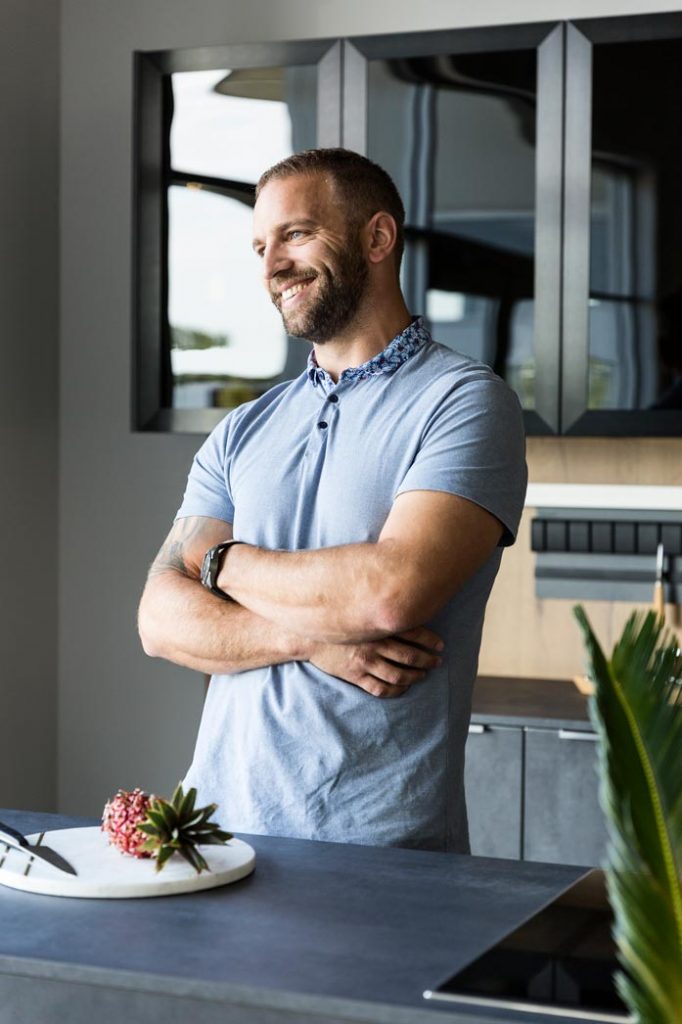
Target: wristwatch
[[211, 565]]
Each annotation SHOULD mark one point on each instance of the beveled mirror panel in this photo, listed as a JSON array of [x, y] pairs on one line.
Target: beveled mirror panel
[[635, 312], [457, 133], [227, 343]]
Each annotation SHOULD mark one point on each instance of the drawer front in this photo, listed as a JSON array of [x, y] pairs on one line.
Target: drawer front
[[493, 788]]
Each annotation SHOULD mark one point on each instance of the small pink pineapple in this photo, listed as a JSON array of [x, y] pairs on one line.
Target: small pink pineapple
[[122, 814]]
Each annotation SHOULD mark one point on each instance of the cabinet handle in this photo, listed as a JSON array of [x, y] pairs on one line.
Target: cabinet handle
[[575, 734], [477, 729]]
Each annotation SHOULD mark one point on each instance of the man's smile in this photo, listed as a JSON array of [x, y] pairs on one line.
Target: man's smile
[[291, 290]]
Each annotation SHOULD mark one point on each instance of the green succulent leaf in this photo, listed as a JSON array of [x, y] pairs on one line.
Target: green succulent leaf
[[156, 818], [217, 838], [194, 857], [195, 821], [637, 711], [185, 803], [148, 828], [149, 845], [164, 854], [178, 796], [166, 811]]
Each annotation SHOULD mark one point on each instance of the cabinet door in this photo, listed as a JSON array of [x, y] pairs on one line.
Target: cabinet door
[[468, 125], [622, 318], [563, 822], [208, 123], [493, 790]]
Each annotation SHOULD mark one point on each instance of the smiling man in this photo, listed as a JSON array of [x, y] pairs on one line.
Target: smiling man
[[338, 540]]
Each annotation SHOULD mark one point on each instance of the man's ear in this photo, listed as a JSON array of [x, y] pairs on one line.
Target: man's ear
[[381, 235]]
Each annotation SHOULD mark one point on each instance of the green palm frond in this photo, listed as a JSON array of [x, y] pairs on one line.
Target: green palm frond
[[637, 711]]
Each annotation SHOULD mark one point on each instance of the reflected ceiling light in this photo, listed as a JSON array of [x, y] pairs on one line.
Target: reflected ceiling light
[[253, 84]]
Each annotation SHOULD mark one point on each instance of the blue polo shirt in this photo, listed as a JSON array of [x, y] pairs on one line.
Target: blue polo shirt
[[289, 750]]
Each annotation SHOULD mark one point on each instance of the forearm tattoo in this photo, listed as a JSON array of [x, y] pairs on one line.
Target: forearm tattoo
[[172, 553]]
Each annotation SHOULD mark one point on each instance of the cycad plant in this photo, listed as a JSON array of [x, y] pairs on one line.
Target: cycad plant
[[637, 711]]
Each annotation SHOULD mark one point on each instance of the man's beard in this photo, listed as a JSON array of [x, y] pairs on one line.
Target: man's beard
[[339, 294]]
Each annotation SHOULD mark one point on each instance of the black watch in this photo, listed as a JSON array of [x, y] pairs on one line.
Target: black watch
[[210, 567]]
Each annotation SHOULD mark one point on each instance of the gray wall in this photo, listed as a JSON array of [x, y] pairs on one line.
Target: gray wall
[[126, 720], [29, 295]]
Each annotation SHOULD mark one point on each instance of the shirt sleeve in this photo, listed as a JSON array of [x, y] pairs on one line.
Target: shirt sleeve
[[208, 489], [473, 445]]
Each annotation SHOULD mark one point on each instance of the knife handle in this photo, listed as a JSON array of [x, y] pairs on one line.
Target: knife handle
[[12, 834]]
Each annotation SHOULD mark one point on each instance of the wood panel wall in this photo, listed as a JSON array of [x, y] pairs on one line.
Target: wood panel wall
[[526, 636]]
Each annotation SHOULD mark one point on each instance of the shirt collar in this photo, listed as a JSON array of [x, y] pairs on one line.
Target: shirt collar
[[394, 355]]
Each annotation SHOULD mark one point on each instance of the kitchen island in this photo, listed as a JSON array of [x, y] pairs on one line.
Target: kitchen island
[[321, 932]]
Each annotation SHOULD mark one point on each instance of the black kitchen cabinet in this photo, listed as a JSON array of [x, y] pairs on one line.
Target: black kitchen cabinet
[[622, 316], [208, 122], [468, 124], [531, 773], [540, 168], [539, 165], [562, 820], [494, 788]]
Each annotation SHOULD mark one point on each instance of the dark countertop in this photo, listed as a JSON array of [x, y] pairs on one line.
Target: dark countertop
[[540, 703], [320, 932]]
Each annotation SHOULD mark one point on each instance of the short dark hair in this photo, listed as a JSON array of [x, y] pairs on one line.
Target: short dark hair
[[365, 186]]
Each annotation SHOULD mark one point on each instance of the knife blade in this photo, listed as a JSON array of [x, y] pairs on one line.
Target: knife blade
[[17, 841]]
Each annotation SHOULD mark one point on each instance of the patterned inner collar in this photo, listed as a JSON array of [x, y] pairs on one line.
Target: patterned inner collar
[[394, 355]]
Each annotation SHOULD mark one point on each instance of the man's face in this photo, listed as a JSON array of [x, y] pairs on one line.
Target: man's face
[[314, 266]]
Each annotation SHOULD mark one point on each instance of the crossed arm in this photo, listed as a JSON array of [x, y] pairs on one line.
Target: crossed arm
[[355, 610], [431, 543]]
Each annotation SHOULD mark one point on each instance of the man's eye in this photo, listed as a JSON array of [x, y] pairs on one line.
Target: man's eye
[[293, 234]]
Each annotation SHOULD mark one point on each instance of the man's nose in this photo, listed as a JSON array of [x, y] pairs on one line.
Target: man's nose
[[275, 259]]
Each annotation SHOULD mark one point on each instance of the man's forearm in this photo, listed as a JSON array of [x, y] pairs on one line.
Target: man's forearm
[[339, 594], [431, 544], [181, 621]]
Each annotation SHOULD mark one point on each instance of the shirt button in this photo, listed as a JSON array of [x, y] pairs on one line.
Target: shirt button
[[333, 398], [322, 425]]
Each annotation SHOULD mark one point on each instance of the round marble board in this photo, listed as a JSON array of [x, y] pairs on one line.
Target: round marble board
[[106, 873]]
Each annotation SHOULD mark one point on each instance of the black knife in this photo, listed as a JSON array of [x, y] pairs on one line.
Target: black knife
[[15, 839]]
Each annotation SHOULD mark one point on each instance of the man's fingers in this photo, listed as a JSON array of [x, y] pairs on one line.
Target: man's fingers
[[392, 673], [407, 655], [377, 669], [424, 637], [378, 688], [383, 668]]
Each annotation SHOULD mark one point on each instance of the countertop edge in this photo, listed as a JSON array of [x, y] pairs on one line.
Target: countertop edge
[[238, 995]]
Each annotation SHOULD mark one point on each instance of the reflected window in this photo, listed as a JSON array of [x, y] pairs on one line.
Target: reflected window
[[225, 340], [520, 374]]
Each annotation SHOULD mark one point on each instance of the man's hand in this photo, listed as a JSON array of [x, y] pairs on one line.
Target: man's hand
[[383, 668]]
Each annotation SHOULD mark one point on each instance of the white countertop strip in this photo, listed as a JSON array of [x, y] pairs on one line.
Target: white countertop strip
[[604, 496]]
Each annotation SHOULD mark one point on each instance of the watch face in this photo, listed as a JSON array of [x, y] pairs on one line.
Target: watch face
[[210, 567], [206, 569]]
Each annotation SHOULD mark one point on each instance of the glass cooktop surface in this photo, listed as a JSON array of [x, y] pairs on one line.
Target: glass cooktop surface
[[560, 962]]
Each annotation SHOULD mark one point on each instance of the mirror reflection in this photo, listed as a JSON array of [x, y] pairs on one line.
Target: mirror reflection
[[457, 134], [635, 316], [227, 344]]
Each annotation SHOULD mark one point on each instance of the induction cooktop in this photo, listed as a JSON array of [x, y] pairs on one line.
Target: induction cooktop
[[559, 962]]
